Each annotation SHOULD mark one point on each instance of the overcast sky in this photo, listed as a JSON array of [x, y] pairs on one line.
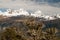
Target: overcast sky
[[46, 6]]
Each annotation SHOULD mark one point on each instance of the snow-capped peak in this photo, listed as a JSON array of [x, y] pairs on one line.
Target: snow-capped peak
[[47, 17], [10, 13], [37, 14], [8, 10], [58, 16]]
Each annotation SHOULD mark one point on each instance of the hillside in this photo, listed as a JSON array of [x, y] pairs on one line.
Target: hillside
[[29, 28]]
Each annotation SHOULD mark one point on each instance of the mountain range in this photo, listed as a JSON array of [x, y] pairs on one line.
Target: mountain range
[[38, 13]]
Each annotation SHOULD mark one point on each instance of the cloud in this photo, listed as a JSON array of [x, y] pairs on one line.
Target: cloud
[[46, 6], [13, 0]]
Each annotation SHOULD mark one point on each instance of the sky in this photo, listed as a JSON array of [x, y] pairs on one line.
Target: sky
[[49, 7]]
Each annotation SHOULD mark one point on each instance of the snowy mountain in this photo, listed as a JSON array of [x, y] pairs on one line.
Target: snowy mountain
[[49, 17], [10, 12], [38, 13], [58, 16]]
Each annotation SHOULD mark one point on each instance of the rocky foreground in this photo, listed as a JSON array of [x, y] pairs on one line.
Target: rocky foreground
[[29, 28]]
